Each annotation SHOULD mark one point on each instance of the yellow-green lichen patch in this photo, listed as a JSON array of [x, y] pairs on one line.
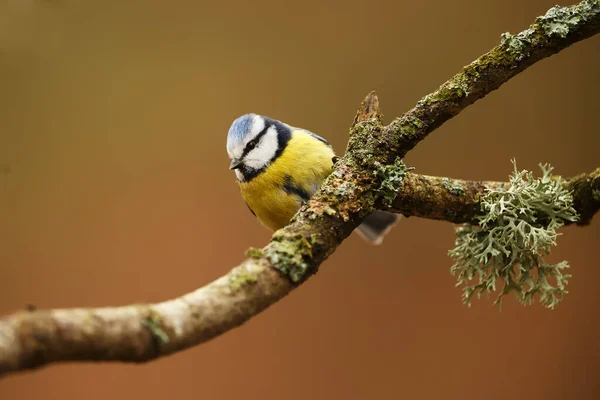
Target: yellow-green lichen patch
[[255, 253], [153, 324], [410, 127], [291, 254], [329, 211], [451, 91], [240, 279]]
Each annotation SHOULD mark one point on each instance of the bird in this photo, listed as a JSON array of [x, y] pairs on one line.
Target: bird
[[278, 167]]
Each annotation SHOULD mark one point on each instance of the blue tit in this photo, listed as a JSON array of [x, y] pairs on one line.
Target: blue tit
[[279, 167]]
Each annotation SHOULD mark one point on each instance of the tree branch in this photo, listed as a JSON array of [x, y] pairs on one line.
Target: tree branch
[[369, 176], [458, 201]]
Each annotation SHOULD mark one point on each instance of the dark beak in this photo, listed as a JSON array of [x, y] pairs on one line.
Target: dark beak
[[235, 164]]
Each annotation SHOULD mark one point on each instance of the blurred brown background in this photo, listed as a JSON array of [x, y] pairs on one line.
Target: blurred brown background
[[115, 189]]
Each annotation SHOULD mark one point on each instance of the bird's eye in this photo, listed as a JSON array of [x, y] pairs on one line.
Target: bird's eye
[[251, 144]]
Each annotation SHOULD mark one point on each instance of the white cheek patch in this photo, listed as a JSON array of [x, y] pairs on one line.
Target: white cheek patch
[[264, 152]]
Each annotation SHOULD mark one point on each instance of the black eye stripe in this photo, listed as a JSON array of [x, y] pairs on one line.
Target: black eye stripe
[[251, 144], [284, 134]]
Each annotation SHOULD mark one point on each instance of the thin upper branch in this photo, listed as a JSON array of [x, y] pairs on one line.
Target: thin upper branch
[[364, 179], [557, 29]]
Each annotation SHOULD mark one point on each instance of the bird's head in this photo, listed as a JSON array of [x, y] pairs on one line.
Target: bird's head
[[253, 142]]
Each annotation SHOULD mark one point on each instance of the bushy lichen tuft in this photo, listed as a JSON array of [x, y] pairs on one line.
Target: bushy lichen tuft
[[517, 229]]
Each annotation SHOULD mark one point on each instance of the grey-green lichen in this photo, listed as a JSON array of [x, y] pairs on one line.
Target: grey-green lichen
[[518, 226], [241, 279], [454, 188], [517, 45], [391, 177], [290, 254], [346, 188], [560, 21], [152, 324]]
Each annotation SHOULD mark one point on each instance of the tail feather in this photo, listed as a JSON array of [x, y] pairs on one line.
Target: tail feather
[[376, 225]]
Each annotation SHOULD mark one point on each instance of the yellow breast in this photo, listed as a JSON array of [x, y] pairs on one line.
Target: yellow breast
[[303, 164]]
